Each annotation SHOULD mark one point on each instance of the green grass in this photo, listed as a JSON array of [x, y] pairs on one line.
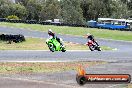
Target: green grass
[[29, 44], [129, 85], [25, 67], [79, 31], [39, 44]]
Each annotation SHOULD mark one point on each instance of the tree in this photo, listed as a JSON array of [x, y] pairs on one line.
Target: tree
[[119, 10], [92, 9], [7, 8], [85, 8], [97, 9], [4, 8], [23, 2], [18, 10], [34, 8], [51, 10], [71, 12]]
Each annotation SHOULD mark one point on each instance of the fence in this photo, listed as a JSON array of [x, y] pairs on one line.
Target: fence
[[40, 22], [49, 23]]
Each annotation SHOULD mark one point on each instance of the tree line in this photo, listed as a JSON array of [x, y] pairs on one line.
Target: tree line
[[68, 11]]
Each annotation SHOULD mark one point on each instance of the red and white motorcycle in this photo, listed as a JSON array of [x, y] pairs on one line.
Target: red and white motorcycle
[[93, 45]]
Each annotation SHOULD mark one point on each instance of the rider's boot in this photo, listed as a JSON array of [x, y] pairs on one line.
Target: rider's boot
[[62, 45]]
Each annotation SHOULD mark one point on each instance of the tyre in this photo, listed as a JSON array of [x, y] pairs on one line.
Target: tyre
[[63, 49], [51, 47], [99, 49], [92, 48], [14, 40], [81, 80]]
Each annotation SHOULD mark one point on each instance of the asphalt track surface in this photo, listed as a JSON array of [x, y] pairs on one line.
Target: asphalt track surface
[[119, 59], [123, 51]]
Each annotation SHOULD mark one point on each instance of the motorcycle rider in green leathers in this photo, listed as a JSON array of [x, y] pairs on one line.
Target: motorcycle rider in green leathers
[[52, 35]]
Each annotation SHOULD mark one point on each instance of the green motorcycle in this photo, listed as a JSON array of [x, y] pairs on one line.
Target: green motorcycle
[[54, 45]]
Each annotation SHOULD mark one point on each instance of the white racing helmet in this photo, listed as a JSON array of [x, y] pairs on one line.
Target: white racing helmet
[[49, 30], [88, 34]]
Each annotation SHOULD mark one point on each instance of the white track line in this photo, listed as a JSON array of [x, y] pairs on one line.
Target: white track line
[[114, 86], [49, 50], [37, 61], [54, 61]]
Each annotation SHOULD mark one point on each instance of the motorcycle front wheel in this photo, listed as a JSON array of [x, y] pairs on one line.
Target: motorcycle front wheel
[[51, 47], [92, 48]]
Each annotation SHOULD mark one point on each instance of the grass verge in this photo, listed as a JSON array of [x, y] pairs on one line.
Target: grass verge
[[13, 68], [39, 44], [129, 86], [80, 31]]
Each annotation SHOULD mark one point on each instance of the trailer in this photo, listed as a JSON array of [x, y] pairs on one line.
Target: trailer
[[108, 23]]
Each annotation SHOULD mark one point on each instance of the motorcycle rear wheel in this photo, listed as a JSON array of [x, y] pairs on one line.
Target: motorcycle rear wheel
[[63, 49], [99, 49]]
